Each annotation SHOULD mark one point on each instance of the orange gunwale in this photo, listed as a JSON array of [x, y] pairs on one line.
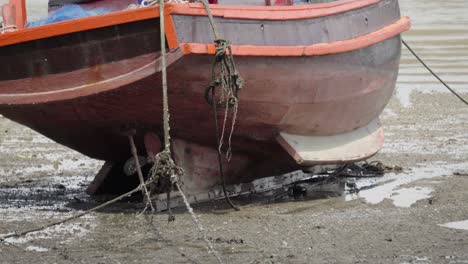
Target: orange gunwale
[[273, 12], [387, 32], [76, 25], [239, 12], [197, 48]]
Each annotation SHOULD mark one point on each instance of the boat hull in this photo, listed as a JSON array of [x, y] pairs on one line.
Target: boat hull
[[112, 85], [314, 96]]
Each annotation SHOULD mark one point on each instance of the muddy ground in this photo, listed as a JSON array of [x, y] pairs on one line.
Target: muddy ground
[[398, 219], [408, 217]]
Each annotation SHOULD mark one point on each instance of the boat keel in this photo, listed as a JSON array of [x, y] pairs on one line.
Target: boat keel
[[353, 146]]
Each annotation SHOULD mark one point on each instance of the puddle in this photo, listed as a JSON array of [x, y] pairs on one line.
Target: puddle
[[405, 197], [391, 186], [457, 225], [418, 260], [36, 249]]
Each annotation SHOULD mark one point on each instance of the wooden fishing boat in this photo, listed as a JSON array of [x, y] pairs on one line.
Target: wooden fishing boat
[[317, 76]]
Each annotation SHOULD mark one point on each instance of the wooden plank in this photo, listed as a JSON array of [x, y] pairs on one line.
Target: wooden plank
[[260, 186]]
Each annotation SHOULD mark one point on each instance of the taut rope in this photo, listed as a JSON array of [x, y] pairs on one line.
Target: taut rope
[[433, 73]]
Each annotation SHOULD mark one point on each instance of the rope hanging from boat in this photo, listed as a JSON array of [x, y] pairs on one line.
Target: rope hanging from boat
[[226, 78], [165, 173], [433, 73], [228, 81]]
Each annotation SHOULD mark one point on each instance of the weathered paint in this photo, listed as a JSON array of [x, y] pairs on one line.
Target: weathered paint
[[309, 31], [87, 108]]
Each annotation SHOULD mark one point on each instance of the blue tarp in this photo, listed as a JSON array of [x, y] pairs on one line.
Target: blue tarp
[[67, 13]]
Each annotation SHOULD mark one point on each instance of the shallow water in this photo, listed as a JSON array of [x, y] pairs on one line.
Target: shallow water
[[391, 186], [457, 225], [440, 36]]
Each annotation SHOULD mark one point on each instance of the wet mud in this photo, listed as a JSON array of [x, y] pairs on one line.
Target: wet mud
[[418, 215]]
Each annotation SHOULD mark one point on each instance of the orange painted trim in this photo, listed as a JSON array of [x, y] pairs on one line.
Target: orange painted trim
[[71, 26], [76, 25], [273, 12], [171, 35], [239, 12], [266, 8], [317, 49]]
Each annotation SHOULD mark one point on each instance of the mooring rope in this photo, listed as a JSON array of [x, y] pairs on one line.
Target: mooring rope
[[230, 83], [167, 137], [76, 216], [200, 227], [165, 172], [140, 174], [433, 73], [220, 161]]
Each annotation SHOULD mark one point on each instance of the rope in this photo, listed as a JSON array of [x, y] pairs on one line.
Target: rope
[[167, 144], [43, 227], [139, 173], [199, 225], [433, 73], [210, 18], [149, 183], [165, 174], [224, 76], [220, 161]]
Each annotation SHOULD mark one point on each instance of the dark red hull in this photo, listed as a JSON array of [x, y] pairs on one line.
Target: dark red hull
[[112, 84], [318, 104]]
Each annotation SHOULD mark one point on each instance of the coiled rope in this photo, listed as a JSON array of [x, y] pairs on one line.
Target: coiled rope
[[224, 76]]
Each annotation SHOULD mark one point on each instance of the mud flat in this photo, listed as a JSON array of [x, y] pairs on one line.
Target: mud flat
[[417, 216]]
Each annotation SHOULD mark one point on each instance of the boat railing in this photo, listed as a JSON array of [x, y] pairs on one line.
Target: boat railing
[[15, 16]]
